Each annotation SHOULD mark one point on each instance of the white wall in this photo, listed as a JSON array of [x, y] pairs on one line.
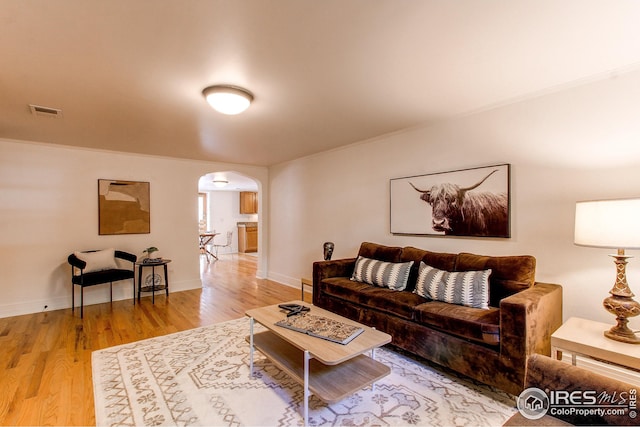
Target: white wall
[[575, 144], [49, 208], [224, 215]]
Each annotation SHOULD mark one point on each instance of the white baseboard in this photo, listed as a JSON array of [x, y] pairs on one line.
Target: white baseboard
[[35, 306], [294, 282], [92, 295]]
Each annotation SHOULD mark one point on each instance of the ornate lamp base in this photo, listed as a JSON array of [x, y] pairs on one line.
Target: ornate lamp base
[[621, 303], [621, 331], [614, 334]]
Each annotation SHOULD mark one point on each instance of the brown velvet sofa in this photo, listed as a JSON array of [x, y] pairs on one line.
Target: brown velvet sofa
[[490, 345], [549, 375]]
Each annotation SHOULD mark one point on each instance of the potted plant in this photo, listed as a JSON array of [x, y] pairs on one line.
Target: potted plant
[[149, 251]]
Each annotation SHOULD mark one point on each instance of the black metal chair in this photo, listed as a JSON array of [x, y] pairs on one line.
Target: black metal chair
[[84, 279]]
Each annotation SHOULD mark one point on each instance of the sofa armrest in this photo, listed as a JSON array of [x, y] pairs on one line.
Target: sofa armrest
[[549, 374], [335, 268], [527, 320], [553, 375]]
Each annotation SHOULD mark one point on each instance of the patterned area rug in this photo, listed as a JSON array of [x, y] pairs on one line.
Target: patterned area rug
[[201, 377]]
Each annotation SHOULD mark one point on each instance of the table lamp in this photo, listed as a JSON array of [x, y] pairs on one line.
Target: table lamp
[[613, 224]]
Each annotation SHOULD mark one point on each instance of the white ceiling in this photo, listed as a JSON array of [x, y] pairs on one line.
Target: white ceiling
[[128, 75], [237, 182]]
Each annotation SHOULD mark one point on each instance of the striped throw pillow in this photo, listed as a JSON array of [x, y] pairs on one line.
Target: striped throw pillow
[[469, 288], [392, 275]]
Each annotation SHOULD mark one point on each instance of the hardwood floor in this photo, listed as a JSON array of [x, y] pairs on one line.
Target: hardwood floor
[[45, 358]]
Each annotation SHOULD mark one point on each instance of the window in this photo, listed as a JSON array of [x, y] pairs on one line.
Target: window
[[203, 223]]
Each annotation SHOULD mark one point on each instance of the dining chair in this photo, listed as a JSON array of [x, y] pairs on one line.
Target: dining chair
[[227, 244]]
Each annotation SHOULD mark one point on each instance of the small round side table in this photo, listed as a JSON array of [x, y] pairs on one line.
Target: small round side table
[[152, 287]]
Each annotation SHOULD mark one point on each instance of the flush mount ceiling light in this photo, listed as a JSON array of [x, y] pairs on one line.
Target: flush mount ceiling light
[[219, 182], [228, 99]]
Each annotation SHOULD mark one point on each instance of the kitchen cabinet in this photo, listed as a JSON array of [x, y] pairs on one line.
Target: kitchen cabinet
[[247, 237], [248, 202], [252, 239]]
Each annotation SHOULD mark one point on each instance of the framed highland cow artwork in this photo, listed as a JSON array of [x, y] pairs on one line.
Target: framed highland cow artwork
[[471, 202]]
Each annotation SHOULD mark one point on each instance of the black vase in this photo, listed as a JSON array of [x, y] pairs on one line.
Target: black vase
[[328, 250]]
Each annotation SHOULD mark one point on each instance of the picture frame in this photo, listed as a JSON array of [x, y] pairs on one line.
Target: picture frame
[[473, 202], [123, 207]]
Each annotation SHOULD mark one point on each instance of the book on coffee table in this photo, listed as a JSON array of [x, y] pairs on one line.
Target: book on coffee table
[[321, 327]]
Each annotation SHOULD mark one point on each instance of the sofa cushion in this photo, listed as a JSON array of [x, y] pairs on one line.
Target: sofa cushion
[[468, 288], [509, 274], [467, 322], [441, 260], [380, 252], [397, 303], [392, 275], [343, 288]]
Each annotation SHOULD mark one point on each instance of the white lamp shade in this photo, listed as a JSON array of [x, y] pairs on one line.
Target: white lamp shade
[[229, 100], [608, 223]]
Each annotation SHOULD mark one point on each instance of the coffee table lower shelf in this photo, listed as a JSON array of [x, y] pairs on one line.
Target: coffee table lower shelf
[[330, 383]]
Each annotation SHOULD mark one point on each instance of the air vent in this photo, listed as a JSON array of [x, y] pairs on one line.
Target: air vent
[[40, 111]]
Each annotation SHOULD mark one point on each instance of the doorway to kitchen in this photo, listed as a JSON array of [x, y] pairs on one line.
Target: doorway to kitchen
[[228, 216]]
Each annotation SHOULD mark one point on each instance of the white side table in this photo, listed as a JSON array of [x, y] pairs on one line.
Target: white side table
[[585, 338]]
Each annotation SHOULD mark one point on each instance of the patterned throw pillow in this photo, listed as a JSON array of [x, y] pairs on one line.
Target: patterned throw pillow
[[393, 275], [469, 288]]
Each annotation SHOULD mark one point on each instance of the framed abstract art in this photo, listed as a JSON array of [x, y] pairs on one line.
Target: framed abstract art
[[123, 207]]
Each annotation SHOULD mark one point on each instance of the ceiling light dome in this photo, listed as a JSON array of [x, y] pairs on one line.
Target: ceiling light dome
[[228, 99], [220, 182]]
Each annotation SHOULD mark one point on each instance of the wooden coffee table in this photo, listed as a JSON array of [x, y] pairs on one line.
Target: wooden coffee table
[[329, 370]]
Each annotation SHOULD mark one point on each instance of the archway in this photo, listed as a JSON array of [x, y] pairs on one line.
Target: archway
[[223, 210]]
